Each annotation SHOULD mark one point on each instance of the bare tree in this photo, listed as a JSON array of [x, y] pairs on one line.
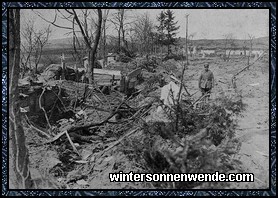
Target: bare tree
[[34, 42], [191, 43], [87, 37], [143, 29], [103, 37], [229, 45], [251, 38], [244, 47], [19, 158], [134, 47], [79, 50], [28, 47], [82, 23], [42, 38], [120, 21]]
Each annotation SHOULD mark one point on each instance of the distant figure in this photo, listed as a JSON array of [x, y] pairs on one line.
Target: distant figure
[[204, 55], [206, 80]]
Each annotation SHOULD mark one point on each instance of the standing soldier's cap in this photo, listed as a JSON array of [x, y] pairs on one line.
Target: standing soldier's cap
[[206, 65]]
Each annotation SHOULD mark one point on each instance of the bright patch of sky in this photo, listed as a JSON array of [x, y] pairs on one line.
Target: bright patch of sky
[[203, 23]]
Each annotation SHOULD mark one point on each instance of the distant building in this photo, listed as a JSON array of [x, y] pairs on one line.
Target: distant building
[[220, 52], [235, 52], [254, 52], [239, 52], [191, 50], [207, 51]]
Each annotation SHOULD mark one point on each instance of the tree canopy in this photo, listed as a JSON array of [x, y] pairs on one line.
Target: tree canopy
[[167, 29]]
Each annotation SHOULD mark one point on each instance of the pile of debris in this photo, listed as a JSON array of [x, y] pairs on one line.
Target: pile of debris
[[189, 140], [150, 121]]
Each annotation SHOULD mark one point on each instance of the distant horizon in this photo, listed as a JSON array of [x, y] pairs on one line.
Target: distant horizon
[[258, 43], [177, 38]]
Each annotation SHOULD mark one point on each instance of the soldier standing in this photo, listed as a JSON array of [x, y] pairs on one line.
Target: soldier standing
[[206, 80]]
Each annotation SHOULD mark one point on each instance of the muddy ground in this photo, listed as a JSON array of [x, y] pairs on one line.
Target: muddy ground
[[252, 131]]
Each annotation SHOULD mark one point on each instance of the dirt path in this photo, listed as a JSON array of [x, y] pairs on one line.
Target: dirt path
[[253, 124], [253, 131], [253, 127]]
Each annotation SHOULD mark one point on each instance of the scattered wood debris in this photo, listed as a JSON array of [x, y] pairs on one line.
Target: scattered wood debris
[[147, 117]]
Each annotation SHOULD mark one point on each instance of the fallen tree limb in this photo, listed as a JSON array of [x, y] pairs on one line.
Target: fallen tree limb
[[90, 124], [41, 107], [181, 83], [35, 128], [74, 148], [248, 65], [222, 82], [194, 93], [104, 96], [137, 114], [200, 135], [199, 99], [109, 111], [119, 140], [60, 135], [55, 138], [58, 98], [96, 108], [233, 80]]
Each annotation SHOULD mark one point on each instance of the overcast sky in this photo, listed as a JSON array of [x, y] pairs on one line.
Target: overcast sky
[[203, 23]]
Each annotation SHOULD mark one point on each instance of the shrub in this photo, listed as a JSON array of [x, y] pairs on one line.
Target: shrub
[[190, 142]]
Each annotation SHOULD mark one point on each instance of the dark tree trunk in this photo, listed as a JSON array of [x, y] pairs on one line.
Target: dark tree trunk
[[105, 18], [104, 44], [39, 58], [19, 172], [119, 40], [93, 51]]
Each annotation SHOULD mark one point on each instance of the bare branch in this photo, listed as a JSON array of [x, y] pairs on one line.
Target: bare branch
[[53, 22], [82, 30]]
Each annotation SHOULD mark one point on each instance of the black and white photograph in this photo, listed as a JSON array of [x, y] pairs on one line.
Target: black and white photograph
[[131, 99]]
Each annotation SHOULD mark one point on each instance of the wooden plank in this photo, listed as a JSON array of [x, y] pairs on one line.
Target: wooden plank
[[116, 73]]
